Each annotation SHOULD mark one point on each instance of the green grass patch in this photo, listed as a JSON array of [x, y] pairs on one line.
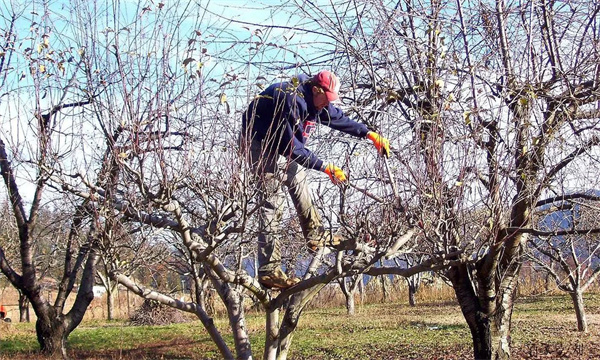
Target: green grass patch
[[129, 337], [18, 338]]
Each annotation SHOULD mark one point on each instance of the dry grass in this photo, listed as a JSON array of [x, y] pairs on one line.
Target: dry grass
[[383, 328], [544, 327], [397, 293], [6, 329], [331, 296], [125, 304]]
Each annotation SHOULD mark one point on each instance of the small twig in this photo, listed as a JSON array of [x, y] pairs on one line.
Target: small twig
[[372, 196]]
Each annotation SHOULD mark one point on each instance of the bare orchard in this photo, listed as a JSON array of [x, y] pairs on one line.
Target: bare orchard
[[122, 169]]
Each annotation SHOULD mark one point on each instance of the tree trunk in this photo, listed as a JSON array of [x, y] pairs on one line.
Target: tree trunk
[[237, 321], [350, 303], [384, 288], [295, 307], [477, 320], [272, 334], [112, 292], [577, 297], [349, 290], [52, 334], [110, 302], [23, 308], [203, 294], [233, 300], [411, 294], [361, 290], [288, 327], [501, 326]]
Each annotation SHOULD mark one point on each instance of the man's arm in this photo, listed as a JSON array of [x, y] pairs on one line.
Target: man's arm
[[294, 148], [336, 119], [292, 139]]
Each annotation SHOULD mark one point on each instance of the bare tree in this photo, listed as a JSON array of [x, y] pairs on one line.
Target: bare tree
[[26, 103], [349, 285], [541, 109], [500, 103], [571, 260], [413, 282], [52, 326], [129, 250]]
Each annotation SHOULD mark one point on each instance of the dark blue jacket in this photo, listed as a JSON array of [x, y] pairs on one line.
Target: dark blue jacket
[[283, 116]]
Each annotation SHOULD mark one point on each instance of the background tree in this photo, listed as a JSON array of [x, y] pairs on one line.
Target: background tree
[[572, 260], [413, 282], [37, 93], [131, 250], [349, 285]]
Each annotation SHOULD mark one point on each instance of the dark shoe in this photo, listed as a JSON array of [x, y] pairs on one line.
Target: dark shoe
[[277, 280], [321, 238]]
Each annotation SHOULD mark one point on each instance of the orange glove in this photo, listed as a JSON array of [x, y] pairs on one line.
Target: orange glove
[[336, 174], [381, 144]]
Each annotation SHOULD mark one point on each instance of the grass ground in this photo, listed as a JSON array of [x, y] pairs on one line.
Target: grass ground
[[543, 327]]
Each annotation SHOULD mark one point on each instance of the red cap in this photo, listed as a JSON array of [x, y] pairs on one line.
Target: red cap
[[330, 83]]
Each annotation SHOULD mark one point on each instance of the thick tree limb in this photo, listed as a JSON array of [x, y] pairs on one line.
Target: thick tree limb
[[393, 251], [190, 307], [437, 263], [8, 271], [14, 195]]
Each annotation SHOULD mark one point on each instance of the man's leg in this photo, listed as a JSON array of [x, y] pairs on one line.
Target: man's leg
[[264, 168], [297, 184], [310, 220]]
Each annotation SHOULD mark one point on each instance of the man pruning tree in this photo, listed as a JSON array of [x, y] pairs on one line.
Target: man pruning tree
[[275, 128]]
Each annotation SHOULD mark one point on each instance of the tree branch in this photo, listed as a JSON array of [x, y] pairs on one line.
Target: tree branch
[[15, 198], [595, 140], [8, 271], [569, 197], [190, 307], [542, 233]]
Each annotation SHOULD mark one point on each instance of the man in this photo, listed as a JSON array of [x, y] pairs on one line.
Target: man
[[275, 128]]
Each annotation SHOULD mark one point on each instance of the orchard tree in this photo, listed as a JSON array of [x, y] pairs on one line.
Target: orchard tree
[[38, 95], [492, 108], [131, 250], [46, 102], [412, 282], [154, 119], [569, 252], [349, 285]]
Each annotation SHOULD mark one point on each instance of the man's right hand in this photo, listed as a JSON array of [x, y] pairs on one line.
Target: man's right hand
[[336, 174], [381, 144]]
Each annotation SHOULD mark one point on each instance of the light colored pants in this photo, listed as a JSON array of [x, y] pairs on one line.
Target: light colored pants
[[270, 171]]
